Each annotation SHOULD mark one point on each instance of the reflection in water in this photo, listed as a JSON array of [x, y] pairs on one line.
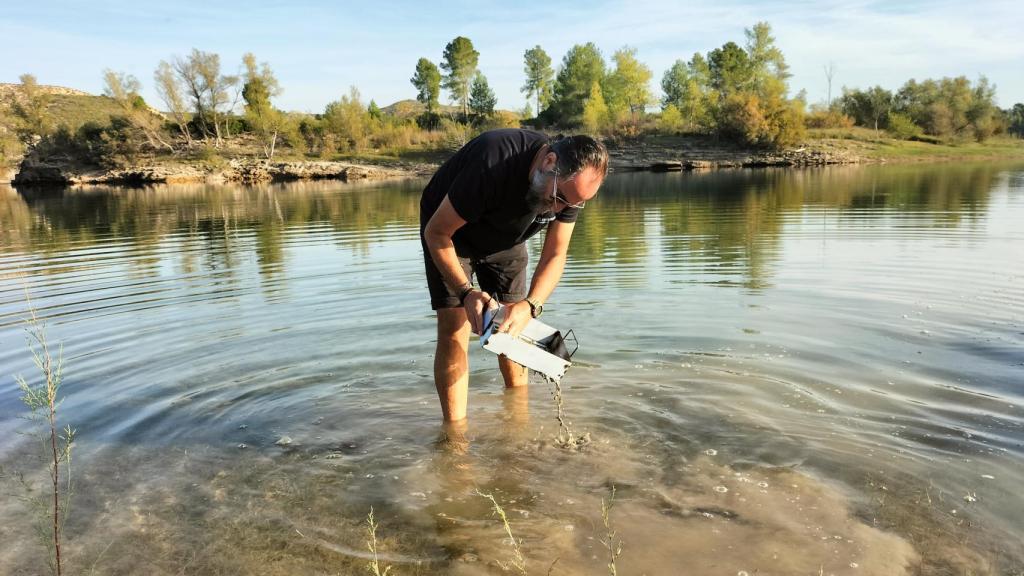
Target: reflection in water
[[783, 371]]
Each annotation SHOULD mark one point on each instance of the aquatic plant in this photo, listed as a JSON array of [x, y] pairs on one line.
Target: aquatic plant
[[42, 401], [518, 561], [611, 541], [371, 544]]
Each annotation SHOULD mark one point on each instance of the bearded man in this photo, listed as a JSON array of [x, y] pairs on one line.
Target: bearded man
[[476, 214]]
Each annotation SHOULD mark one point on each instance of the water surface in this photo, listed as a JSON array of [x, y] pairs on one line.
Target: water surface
[[782, 371]]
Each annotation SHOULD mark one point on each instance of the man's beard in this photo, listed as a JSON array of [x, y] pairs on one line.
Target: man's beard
[[538, 197]]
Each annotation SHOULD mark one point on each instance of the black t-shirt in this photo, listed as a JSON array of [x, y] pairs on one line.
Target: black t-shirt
[[487, 182]]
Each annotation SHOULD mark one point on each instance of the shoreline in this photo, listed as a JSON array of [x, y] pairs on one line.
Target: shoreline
[[668, 154]]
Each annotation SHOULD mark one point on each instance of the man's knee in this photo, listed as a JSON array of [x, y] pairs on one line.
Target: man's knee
[[452, 324]]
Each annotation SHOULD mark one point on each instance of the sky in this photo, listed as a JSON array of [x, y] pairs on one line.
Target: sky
[[318, 48]]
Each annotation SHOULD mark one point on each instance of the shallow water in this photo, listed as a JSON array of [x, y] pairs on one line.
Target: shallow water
[[782, 372]]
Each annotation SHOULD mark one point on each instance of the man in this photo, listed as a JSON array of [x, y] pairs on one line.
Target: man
[[476, 214]]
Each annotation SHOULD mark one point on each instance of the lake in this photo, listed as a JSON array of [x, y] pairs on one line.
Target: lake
[[785, 371]]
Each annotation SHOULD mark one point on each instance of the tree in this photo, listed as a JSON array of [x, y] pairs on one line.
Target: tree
[[673, 84], [1015, 120], [374, 111], [595, 115], [686, 89], [671, 119], [263, 119], [207, 88], [169, 91], [30, 109], [10, 147], [346, 122], [482, 99], [867, 107], [627, 87], [766, 61], [581, 67], [539, 76], [427, 81], [729, 68], [124, 90], [459, 63]]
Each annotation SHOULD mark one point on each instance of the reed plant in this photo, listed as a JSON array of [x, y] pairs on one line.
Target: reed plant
[[371, 544], [518, 561], [51, 505]]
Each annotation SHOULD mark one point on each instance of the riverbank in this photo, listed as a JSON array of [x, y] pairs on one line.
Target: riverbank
[[651, 152], [821, 148]]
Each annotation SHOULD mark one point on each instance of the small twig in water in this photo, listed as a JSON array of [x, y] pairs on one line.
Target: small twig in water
[[371, 544], [611, 542], [42, 400], [518, 562]]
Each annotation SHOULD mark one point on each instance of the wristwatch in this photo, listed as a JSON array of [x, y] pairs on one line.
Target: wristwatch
[[536, 308]]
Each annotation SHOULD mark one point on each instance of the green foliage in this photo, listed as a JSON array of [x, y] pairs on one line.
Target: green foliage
[[671, 121], [868, 108], [52, 504], [459, 63], [30, 109], [582, 66], [821, 117], [266, 122], [482, 99], [427, 81], [950, 108], [11, 148], [770, 121], [901, 127], [124, 90], [374, 111], [346, 124], [1015, 120], [730, 70], [539, 77], [627, 87], [687, 89], [766, 60], [596, 115]]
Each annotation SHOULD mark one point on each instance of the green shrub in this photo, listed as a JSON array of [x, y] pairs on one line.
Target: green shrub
[[900, 126], [819, 118]]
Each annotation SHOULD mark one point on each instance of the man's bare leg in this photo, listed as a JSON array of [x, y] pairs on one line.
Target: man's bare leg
[[451, 362], [515, 375]]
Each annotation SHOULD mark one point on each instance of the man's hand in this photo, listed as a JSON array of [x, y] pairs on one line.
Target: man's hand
[[517, 316], [475, 303]]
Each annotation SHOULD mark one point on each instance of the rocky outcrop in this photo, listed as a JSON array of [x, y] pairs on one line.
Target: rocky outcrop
[[34, 171], [707, 156]]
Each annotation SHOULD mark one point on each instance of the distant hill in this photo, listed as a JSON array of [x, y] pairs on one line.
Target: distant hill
[[70, 107], [412, 108], [7, 91]]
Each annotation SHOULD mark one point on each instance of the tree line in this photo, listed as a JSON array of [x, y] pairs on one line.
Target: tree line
[[736, 92]]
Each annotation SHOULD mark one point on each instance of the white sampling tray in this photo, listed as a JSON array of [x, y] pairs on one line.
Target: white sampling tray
[[539, 347]]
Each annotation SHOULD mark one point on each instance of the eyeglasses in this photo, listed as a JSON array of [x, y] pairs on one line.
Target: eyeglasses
[[562, 199]]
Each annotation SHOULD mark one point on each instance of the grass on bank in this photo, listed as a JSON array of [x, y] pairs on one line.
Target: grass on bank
[[880, 145]]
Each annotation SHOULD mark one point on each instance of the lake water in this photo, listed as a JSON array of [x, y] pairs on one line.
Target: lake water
[[782, 372]]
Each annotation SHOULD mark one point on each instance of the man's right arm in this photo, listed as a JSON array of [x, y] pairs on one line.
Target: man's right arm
[[438, 236]]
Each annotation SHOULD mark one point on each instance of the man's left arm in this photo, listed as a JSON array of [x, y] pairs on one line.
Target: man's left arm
[[545, 277]]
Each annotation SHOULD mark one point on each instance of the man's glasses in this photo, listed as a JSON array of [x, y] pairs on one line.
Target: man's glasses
[[562, 199]]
